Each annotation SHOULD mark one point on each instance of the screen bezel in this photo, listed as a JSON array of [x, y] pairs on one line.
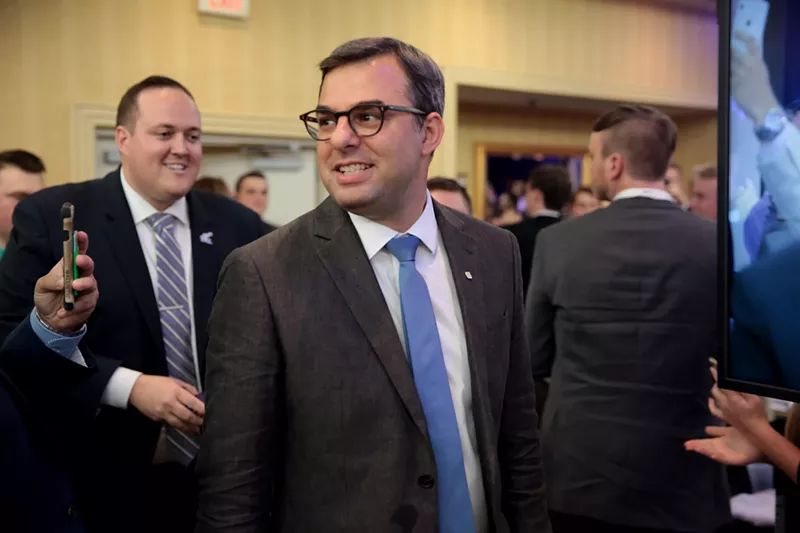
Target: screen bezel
[[724, 260]]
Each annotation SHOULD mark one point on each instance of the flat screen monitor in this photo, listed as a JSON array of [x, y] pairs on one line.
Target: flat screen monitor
[[759, 196]]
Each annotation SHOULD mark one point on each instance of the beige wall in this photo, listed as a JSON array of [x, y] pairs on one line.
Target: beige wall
[[57, 53], [697, 142]]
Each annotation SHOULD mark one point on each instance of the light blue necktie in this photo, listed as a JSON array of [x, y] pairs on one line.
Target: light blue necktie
[[430, 375], [176, 324]]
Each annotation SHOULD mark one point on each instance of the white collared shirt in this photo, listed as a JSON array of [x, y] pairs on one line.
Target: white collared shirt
[[432, 263], [552, 213], [644, 192], [779, 163], [118, 389]]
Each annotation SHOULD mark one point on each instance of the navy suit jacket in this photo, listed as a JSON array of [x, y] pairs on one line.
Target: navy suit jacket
[[38, 414], [765, 307]]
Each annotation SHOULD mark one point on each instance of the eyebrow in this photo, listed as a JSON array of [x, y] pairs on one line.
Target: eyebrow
[[173, 127], [362, 102]]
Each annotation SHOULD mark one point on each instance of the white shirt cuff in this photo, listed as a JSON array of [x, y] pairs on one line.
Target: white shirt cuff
[[119, 387]]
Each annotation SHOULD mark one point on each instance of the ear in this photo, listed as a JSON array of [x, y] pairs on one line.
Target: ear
[[433, 129], [615, 165], [122, 136]]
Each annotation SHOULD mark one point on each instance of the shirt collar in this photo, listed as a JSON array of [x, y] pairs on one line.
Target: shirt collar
[[142, 210], [552, 213], [375, 236], [644, 192]]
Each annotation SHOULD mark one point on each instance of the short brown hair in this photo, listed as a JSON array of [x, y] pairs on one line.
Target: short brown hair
[[23, 160], [707, 171], [645, 136], [251, 174], [212, 184], [555, 184], [440, 183], [425, 78], [128, 106]]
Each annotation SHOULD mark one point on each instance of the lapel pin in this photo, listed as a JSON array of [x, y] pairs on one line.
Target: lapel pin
[[205, 238], [468, 274]]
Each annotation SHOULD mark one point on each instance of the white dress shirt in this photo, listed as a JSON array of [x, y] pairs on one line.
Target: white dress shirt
[[552, 213], [644, 192], [118, 389], [433, 265], [779, 163]]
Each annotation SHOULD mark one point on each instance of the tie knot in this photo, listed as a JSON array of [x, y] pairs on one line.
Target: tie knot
[[404, 248], [161, 222]]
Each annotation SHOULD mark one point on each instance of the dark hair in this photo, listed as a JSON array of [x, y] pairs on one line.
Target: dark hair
[[555, 184], [644, 136], [441, 183], [425, 78], [250, 174], [128, 106], [23, 160], [211, 184]]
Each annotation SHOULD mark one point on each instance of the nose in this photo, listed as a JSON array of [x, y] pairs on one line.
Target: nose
[[179, 145], [343, 136]]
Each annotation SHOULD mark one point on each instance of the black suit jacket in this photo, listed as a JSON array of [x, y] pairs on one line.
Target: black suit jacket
[[38, 415], [622, 314], [125, 328], [526, 233], [314, 422]]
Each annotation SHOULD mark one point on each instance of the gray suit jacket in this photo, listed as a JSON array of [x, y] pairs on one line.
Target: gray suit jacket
[[313, 421], [621, 311]]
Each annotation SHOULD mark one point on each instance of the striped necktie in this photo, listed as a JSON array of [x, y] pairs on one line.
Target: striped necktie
[[176, 323]]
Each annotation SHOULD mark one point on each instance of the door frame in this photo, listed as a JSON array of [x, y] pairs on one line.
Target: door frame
[[481, 150]]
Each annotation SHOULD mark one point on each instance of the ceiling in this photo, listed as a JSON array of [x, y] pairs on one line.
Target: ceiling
[[483, 96]]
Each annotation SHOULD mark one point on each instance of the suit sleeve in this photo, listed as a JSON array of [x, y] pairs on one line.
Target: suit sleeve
[[540, 315], [243, 422], [519, 452], [28, 257]]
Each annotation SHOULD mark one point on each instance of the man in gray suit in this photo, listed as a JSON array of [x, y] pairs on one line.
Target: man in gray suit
[[367, 369], [621, 315]]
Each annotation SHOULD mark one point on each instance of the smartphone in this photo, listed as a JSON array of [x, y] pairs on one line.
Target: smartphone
[[750, 17], [70, 254]]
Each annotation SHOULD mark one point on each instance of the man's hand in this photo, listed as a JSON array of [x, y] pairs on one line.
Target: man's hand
[[750, 85], [48, 296], [168, 400]]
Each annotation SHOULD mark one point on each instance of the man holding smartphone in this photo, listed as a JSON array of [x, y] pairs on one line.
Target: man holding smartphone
[[159, 246]]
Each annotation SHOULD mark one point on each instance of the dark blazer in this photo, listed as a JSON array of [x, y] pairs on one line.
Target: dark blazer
[[765, 308], [621, 314], [125, 328], [38, 415], [313, 420], [526, 233]]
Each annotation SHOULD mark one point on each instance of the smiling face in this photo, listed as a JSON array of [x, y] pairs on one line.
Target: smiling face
[[162, 151], [381, 177]]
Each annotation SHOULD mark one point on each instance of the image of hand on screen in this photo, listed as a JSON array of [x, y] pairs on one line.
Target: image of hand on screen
[[773, 223]]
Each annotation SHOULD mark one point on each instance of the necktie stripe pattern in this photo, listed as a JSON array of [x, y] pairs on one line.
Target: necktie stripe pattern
[[176, 326], [430, 376]]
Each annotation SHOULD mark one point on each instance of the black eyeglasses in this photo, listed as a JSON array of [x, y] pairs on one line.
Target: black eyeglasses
[[365, 120]]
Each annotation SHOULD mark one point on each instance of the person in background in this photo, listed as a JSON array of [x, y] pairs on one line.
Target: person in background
[[507, 210], [450, 193], [750, 438], [161, 246], [674, 181], [252, 191], [704, 191], [366, 367], [548, 190], [43, 365], [213, 184], [583, 202], [21, 174], [621, 315]]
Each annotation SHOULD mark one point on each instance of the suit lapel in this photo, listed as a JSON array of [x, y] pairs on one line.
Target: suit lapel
[[127, 249], [342, 254], [203, 273]]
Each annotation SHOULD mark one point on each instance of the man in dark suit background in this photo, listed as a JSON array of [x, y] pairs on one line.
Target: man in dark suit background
[[367, 369], [158, 247], [621, 314], [42, 368], [548, 190]]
